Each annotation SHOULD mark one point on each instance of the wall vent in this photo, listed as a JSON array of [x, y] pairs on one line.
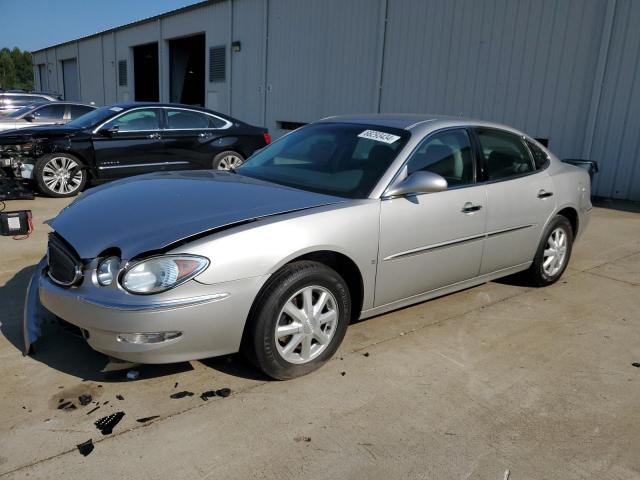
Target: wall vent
[[217, 64], [122, 73]]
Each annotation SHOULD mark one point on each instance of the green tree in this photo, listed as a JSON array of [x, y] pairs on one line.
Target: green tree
[[16, 71]]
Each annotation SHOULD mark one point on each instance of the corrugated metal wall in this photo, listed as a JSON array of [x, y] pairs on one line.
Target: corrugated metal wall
[[565, 70]]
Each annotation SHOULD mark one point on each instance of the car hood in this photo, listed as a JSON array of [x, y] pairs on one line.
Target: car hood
[[43, 131], [150, 212]]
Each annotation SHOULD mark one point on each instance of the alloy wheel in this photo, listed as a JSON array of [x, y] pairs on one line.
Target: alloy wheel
[[229, 162], [306, 324], [62, 175], [555, 252]]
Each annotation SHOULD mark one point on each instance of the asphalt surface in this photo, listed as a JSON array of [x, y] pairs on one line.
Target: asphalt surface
[[497, 378]]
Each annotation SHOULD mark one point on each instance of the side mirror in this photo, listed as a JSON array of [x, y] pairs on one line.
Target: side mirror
[[109, 132], [418, 182], [30, 117]]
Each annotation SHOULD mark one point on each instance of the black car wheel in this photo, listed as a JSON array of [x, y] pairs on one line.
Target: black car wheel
[[298, 321], [228, 160], [553, 253], [60, 175]]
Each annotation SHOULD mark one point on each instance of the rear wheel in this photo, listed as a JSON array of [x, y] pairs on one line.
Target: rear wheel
[[298, 321], [228, 160], [60, 175], [553, 253]]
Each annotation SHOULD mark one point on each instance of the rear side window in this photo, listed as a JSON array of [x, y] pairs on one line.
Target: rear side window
[[78, 110], [505, 155], [448, 154], [540, 158], [191, 120]]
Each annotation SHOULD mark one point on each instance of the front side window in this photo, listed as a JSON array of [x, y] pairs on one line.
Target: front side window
[[341, 159], [136, 120], [191, 120], [50, 112], [540, 158], [448, 154], [505, 155]]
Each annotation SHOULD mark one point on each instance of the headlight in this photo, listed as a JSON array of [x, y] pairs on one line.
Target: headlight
[[108, 270], [158, 274]]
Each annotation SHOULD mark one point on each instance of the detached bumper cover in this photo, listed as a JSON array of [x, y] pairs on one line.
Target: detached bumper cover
[[34, 313]]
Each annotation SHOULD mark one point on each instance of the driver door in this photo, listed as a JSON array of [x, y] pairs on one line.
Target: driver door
[[429, 241], [136, 147]]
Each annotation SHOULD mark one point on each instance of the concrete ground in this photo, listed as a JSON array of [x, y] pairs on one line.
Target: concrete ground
[[500, 377]]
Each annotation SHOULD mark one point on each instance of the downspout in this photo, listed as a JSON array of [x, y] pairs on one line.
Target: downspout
[[382, 40]]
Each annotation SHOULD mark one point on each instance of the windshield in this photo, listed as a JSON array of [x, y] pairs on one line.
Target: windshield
[[22, 111], [340, 159], [94, 117]]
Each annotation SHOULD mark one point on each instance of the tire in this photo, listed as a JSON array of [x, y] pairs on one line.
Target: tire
[[559, 230], [286, 290], [60, 175], [227, 160]]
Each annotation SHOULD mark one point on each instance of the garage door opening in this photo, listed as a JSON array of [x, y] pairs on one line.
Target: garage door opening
[[186, 67], [145, 73]]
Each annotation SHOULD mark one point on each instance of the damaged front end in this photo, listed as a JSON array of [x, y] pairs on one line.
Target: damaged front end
[[18, 158]]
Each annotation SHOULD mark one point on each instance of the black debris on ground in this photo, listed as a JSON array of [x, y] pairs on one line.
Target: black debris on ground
[[119, 397], [85, 399], [104, 403], [366, 354], [106, 424], [86, 448], [147, 419], [207, 395], [182, 394], [223, 392], [302, 438], [66, 406], [343, 373], [175, 385], [92, 410], [635, 364]]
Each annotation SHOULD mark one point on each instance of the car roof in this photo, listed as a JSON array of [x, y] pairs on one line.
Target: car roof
[[409, 121], [128, 105]]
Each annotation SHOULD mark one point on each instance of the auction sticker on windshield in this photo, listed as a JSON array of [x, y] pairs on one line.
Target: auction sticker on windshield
[[379, 136]]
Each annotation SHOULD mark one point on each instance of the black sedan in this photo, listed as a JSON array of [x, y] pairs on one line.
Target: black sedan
[[127, 139]]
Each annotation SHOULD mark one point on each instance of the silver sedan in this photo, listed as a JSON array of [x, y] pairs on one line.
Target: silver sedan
[[343, 219]]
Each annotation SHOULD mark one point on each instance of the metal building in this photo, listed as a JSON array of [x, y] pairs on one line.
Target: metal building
[[561, 70]]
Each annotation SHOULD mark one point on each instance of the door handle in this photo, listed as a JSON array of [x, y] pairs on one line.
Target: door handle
[[544, 194], [470, 208], [154, 135]]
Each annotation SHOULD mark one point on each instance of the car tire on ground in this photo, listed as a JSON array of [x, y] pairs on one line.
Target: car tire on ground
[[227, 160], [553, 253], [60, 175], [298, 320]]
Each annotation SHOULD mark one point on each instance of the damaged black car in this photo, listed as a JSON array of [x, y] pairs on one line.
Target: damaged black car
[[123, 140]]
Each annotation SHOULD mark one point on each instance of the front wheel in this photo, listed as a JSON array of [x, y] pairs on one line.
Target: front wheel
[[228, 160], [298, 321], [60, 175], [553, 253]]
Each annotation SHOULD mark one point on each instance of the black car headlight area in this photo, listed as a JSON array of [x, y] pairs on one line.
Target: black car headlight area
[[152, 275]]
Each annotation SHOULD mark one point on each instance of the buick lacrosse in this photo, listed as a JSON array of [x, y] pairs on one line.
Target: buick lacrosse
[[346, 218]]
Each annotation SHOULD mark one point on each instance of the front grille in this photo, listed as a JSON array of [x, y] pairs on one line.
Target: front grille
[[65, 268]]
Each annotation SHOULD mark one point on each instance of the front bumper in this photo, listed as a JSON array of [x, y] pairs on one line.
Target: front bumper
[[211, 318]]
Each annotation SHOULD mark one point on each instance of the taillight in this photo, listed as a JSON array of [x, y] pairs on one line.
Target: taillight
[[267, 137]]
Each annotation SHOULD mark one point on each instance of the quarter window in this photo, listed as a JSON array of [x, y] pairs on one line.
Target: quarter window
[[504, 154], [540, 158], [191, 120], [448, 154], [136, 120]]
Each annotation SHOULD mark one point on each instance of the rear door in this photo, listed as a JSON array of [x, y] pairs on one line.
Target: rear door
[[136, 147], [75, 111], [519, 200], [49, 114], [189, 135]]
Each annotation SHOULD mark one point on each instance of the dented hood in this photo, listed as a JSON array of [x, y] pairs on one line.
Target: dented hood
[[150, 212]]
